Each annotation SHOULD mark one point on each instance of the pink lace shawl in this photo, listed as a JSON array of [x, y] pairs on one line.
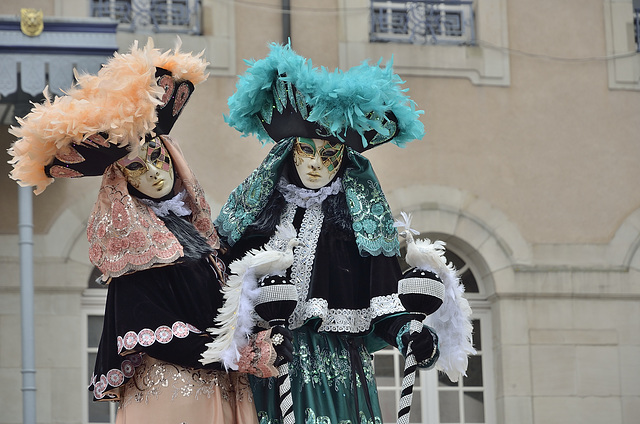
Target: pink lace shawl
[[125, 235]]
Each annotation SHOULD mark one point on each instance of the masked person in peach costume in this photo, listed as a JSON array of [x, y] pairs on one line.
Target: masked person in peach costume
[[151, 235]]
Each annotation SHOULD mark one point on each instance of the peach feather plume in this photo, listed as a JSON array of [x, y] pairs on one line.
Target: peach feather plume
[[120, 101]]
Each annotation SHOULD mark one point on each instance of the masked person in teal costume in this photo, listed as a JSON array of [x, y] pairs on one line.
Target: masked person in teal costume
[[346, 268]]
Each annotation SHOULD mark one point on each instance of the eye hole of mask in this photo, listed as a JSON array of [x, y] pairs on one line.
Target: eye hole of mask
[[154, 155], [306, 147], [135, 166], [329, 153]]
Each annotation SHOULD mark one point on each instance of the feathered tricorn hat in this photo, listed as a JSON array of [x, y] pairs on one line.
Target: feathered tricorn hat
[[105, 116], [283, 96]]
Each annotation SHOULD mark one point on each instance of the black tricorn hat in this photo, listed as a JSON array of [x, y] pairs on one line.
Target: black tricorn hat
[[283, 96], [292, 122], [93, 155]]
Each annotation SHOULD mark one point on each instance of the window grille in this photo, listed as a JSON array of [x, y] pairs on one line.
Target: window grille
[[170, 16], [423, 22]]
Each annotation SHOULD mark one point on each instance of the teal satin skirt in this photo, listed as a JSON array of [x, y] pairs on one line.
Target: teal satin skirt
[[332, 382]]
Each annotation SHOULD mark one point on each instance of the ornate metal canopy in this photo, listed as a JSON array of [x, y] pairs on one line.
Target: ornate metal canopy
[[31, 60]]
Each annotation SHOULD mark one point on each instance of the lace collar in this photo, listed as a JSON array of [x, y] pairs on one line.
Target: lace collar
[[304, 197], [175, 205]]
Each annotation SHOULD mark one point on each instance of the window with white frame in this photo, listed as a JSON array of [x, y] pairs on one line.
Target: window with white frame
[[174, 16], [470, 37], [423, 22], [622, 36], [93, 301], [435, 398]]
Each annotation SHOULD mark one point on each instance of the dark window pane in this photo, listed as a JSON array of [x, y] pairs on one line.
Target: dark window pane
[[449, 407], [453, 24], [388, 405], [94, 330], [383, 365], [477, 339], [403, 254], [457, 260], [92, 284], [98, 411], [474, 372], [416, 408], [473, 407], [443, 380], [91, 360], [469, 282]]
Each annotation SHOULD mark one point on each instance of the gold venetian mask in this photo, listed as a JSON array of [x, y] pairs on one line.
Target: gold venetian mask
[[151, 172], [317, 161]]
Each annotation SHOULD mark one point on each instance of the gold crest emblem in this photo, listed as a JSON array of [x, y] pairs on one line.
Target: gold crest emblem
[[31, 22]]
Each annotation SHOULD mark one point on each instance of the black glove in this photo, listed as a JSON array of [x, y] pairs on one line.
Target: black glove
[[281, 338], [424, 344], [394, 331], [389, 328]]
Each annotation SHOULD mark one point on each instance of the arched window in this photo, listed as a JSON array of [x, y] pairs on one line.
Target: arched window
[[436, 399]]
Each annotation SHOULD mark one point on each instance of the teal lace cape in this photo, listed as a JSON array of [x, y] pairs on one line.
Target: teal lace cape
[[368, 207]]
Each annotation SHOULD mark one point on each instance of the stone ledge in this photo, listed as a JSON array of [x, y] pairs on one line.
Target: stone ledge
[[573, 337]]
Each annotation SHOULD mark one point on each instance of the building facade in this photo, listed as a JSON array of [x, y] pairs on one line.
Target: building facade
[[528, 171]]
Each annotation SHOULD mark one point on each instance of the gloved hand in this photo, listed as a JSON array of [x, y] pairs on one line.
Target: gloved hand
[[395, 331], [281, 339], [425, 344]]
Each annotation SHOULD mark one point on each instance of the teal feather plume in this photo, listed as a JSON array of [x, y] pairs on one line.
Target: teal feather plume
[[358, 98]]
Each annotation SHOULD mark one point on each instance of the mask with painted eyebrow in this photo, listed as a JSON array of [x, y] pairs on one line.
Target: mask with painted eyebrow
[[316, 161], [151, 172]]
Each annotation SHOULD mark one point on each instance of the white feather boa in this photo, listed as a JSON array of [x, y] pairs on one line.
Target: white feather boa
[[235, 322], [236, 319], [452, 321]]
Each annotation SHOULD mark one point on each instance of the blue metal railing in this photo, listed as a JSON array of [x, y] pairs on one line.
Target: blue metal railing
[[423, 22], [172, 16]]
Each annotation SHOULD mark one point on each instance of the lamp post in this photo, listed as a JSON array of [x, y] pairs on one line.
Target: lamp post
[[25, 229]]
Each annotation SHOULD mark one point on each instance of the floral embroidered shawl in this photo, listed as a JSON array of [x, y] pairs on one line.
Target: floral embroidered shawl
[[125, 235]]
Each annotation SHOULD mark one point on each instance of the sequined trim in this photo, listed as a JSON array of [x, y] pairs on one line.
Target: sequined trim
[[258, 356], [70, 155], [304, 255], [115, 377], [351, 320], [155, 377], [310, 417], [163, 334], [370, 211], [57, 171], [125, 235], [167, 83], [311, 366], [246, 202], [390, 126], [181, 96]]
